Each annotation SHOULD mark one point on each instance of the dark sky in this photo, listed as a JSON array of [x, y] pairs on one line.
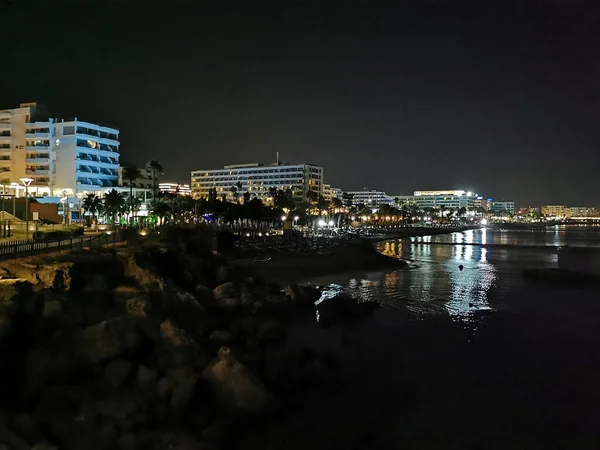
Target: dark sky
[[498, 97]]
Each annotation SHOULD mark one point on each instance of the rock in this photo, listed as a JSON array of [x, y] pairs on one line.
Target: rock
[[136, 307], [221, 273], [164, 387], [271, 331], [52, 308], [9, 294], [233, 384], [116, 372], [172, 334], [146, 376], [109, 431], [56, 275], [97, 283], [23, 426], [226, 295], [134, 272], [11, 440], [186, 311], [181, 395], [109, 338], [126, 442], [204, 295], [221, 336], [117, 408]]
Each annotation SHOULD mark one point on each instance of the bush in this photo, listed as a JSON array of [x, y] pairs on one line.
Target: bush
[[67, 232]]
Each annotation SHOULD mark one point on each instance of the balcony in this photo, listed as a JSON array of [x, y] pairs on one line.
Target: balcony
[[5, 126], [37, 160], [30, 134], [5, 115], [38, 147], [42, 134], [37, 172], [5, 137]]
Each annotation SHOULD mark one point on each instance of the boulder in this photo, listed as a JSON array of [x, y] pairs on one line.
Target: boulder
[[172, 334], [117, 371], [9, 293], [226, 295], [145, 376], [109, 338], [221, 336], [182, 393], [126, 442], [52, 309], [164, 387], [117, 408], [234, 386], [186, 311]]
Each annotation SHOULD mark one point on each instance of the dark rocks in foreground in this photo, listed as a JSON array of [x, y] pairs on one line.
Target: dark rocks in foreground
[[125, 349]]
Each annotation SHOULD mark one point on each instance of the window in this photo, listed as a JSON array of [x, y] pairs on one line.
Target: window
[[68, 130]]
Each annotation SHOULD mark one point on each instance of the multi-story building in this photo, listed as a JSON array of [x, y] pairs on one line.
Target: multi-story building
[[370, 198], [558, 211], [60, 156], [454, 199], [258, 179], [144, 181], [584, 211], [330, 193], [175, 188], [499, 207]]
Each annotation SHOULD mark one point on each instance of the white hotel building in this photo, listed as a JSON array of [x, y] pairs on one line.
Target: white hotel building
[[257, 179], [60, 156]]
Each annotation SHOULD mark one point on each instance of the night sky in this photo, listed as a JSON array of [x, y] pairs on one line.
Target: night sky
[[502, 99]]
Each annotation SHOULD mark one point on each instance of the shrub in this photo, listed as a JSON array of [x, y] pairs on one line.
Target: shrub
[[67, 232]]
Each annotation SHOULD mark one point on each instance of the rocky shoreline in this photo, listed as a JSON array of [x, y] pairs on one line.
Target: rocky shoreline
[[353, 256], [161, 345]]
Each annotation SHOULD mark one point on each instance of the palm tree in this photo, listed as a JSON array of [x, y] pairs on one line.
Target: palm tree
[[113, 203], [92, 204], [131, 173], [157, 169], [162, 210], [234, 193]]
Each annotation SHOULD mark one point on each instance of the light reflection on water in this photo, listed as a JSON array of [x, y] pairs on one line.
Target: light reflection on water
[[435, 285]]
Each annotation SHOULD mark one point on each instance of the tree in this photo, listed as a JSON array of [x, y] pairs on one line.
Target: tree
[[312, 196], [157, 169], [131, 173], [234, 192], [162, 210], [336, 203], [322, 203], [92, 204], [348, 199], [113, 204], [246, 197]]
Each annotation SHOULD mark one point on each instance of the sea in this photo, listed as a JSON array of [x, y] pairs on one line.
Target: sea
[[464, 353]]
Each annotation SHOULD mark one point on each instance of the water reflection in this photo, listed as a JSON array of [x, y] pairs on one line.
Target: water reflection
[[435, 284]]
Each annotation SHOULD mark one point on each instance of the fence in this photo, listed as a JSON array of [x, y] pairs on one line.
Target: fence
[[19, 248]]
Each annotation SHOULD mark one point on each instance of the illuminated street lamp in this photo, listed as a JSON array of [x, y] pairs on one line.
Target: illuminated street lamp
[[296, 220], [26, 182], [15, 186], [283, 218]]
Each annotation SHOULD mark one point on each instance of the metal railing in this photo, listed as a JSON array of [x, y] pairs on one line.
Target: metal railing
[[21, 248]]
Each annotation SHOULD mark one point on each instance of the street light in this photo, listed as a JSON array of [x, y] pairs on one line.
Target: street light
[[26, 182], [296, 220], [15, 186], [283, 218]]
